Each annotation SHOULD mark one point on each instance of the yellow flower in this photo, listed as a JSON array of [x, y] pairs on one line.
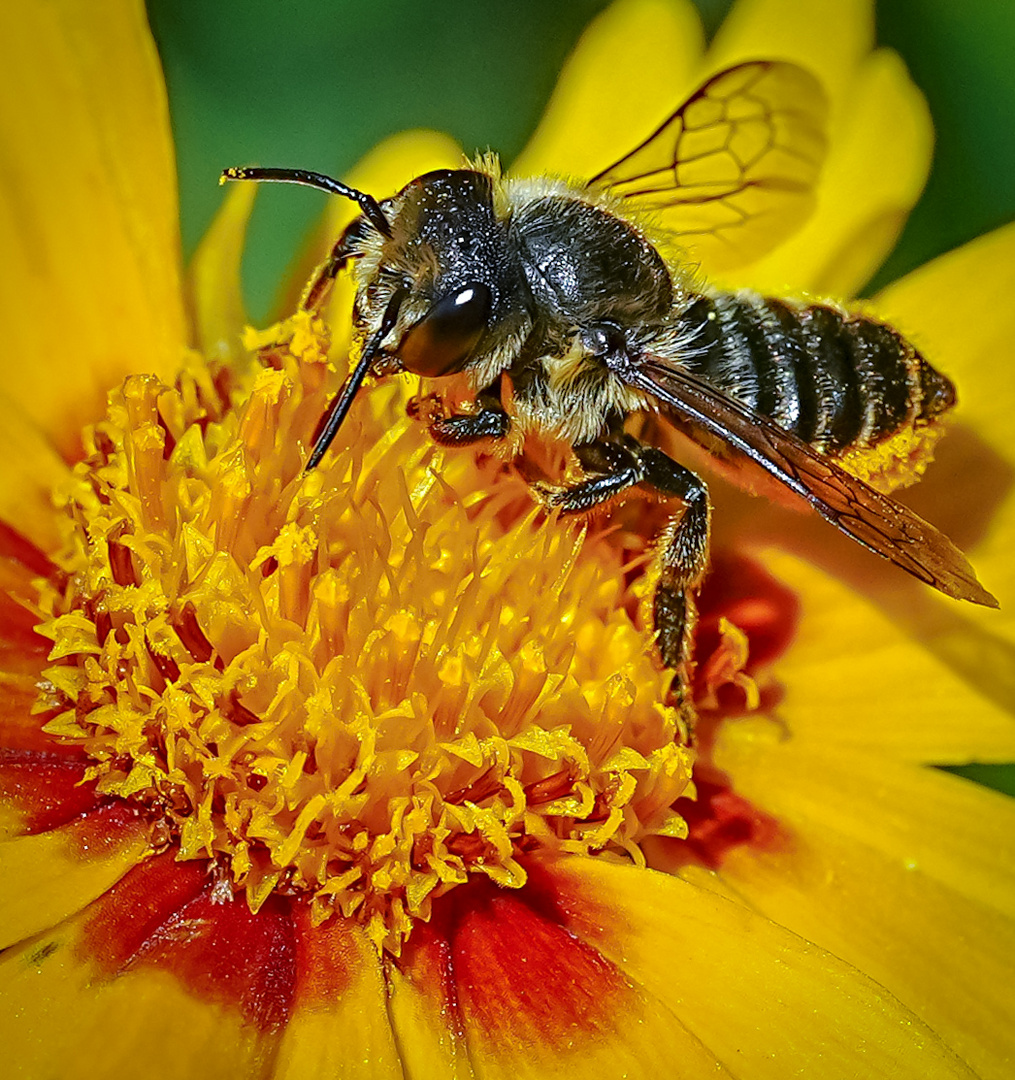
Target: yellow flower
[[371, 773]]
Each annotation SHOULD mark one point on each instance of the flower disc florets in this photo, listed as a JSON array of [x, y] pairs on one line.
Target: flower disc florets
[[365, 683]]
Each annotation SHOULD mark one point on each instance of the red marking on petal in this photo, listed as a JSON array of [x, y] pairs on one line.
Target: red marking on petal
[[45, 789], [21, 648], [162, 915], [523, 978], [503, 967], [21, 564], [102, 828], [20, 729], [427, 963], [746, 594], [720, 820], [327, 957], [14, 545], [136, 906], [224, 953]]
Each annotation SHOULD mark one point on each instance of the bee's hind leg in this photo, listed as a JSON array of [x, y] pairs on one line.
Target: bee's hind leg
[[617, 465], [682, 556]]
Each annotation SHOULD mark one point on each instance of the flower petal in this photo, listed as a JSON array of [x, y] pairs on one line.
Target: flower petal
[[339, 1024], [959, 311], [497, 972], [161, 947], [862, 875], [957, 833], [40, 792], [428, 1026], [22, 650], [29, 469], [213, 278], [88, 215], [632, 67], [63, 1014], [47, 877], [879, 158], [830, 40], [763, 1000], [829, 691], [19, 729]]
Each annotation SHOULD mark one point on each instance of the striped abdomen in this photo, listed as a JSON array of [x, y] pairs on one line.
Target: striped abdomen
[[835, 379]]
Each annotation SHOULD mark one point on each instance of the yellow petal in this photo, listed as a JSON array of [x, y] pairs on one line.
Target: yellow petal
[[860, 875], [59, 1018], [955, 832], [879, 157], [88, 216], [213, 280], [763, 1000], [429, 1031], [527, 999], [41, 788], [959, 311], [160, 977], [47, 877], [829, 40], [30, 467], [632, 67], [857, 677], [956, 308], [339, 1023]]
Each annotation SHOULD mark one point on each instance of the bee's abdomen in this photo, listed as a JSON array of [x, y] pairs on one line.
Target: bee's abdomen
[[835, 379]]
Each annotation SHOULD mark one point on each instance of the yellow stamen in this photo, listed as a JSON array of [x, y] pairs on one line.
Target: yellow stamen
[[367, 683]]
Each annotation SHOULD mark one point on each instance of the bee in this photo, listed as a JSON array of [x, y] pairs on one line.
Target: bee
[[568, 307]]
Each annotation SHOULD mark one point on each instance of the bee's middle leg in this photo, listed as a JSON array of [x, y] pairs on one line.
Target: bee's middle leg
[[683, 548]]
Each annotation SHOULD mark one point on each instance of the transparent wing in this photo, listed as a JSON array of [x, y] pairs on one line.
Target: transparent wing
[[733, 170], [869, 517]]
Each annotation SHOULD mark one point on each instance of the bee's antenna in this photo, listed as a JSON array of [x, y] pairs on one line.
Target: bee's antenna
[[367, 203], [343, 399]]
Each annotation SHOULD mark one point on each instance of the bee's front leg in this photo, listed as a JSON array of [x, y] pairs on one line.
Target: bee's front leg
[[616, 466], [318, 289], [489, 421]]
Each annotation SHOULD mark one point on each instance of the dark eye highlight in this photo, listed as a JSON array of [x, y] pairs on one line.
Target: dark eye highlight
[[440, 343]]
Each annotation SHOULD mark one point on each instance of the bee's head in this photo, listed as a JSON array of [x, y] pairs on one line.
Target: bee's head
[[443, 279], [438, 289]]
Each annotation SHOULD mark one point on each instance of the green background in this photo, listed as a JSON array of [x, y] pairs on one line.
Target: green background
[[317, 83]]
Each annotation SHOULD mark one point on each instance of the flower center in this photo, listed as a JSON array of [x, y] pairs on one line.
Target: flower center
[[364, 684]]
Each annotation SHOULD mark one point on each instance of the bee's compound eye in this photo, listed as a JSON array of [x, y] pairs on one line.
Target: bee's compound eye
[[442, 340]]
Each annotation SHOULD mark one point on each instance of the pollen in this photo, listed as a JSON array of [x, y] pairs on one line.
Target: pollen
[[898, 461], [365, 684]]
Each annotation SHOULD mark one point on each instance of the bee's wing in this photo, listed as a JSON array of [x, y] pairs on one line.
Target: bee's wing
[[869, 517], [732, 171]]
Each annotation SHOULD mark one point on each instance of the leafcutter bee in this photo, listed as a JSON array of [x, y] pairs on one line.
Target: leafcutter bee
[[563, 307]]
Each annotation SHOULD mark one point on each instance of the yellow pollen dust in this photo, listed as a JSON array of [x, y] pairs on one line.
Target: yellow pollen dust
[[363, 684]]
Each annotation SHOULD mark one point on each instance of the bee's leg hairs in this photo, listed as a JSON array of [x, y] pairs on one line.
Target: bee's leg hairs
[[622, 463], [490, 421]]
